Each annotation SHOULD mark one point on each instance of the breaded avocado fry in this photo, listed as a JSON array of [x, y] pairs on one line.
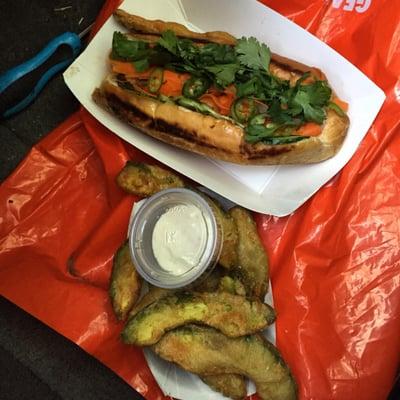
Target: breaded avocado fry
[[205, 351], [215, 281], [252, 258], [229, 252], [125, 283], [154, 294], [230, 385], [145, 179], [233, 315], [231, 285]]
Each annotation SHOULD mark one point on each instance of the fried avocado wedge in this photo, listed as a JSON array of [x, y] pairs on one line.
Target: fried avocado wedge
[[145, 179], [229, 253], [231, 284], [232, 315], [154, 294], [205, 351], [230, 385], [125, 283], [216, 281], [252, 258]]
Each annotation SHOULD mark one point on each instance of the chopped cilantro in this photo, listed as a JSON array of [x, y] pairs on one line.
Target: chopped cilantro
[[311, 98], [141, 65], [169, 41], [129, 50], [253, 54], [224, 74]]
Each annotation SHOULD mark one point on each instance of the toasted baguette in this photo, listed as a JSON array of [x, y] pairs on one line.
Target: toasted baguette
[[207, 135]]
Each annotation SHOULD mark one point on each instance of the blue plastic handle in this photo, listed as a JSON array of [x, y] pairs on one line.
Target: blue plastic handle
[[69, 38]]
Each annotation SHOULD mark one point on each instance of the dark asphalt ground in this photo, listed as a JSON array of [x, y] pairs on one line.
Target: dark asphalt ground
[[35, 362]]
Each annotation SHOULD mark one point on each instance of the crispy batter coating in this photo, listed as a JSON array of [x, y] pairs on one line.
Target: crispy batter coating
[[252, 258], [154, 294], [229, 254], [230, 385], [125, 283], [146, 180], [215, 281], [205, 351], [233, 315], [142, 25], [232, 284]]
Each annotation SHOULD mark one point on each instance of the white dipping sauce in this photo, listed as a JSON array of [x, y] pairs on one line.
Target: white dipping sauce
[[179, 238]]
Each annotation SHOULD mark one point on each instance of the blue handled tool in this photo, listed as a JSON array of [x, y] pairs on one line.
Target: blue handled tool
[[70, 39]]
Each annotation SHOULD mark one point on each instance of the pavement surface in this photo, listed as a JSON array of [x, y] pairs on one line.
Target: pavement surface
[[36, 362]]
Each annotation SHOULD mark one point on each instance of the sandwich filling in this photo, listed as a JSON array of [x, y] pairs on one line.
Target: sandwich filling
[[273, 103]]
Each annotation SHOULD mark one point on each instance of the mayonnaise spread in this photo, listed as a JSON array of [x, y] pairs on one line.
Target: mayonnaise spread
[[179, 238]]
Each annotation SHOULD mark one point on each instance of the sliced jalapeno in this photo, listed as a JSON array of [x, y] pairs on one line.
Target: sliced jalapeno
[[194, 87], [258, 119], [156, 80], [243, 109]]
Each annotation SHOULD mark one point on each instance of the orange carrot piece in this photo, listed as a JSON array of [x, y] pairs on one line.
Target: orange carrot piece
[[222, 101], [342, 104], [173, 83], [128, 69], [209, 100], [309, 129]]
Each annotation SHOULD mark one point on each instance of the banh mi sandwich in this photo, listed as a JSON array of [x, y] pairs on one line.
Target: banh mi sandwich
[[222, 97]]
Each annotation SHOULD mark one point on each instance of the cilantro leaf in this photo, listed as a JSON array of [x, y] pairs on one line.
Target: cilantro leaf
[[288, 116], [169, 41], [187, 50], [252, 87], [224, 74], [214, 53], [319, 93], [253, 54], [141, 65], [129, 50], [312, 98], [311, 113]]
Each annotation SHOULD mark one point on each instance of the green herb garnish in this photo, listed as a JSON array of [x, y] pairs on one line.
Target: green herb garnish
[[246, 66]]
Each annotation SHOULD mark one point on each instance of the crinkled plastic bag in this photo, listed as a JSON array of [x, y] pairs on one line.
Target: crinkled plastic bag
[[334, 262]]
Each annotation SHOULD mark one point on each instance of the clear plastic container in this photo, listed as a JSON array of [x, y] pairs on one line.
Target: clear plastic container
[[143, 230]]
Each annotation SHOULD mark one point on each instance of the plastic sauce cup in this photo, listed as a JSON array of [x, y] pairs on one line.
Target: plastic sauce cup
[[142, 229]]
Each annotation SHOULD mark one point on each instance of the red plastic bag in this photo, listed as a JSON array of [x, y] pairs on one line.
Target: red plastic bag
[[334, 262]]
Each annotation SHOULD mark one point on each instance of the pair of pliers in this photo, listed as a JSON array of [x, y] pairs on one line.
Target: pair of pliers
[[70, 39]]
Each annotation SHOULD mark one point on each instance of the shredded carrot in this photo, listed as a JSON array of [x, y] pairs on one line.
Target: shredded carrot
[[222, 101], [173, 83], [342, 104], [209, 100], [309, 129], [128, 69], [231, 89]]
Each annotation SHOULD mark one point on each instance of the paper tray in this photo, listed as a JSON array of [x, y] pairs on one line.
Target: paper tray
[[275, 190]]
